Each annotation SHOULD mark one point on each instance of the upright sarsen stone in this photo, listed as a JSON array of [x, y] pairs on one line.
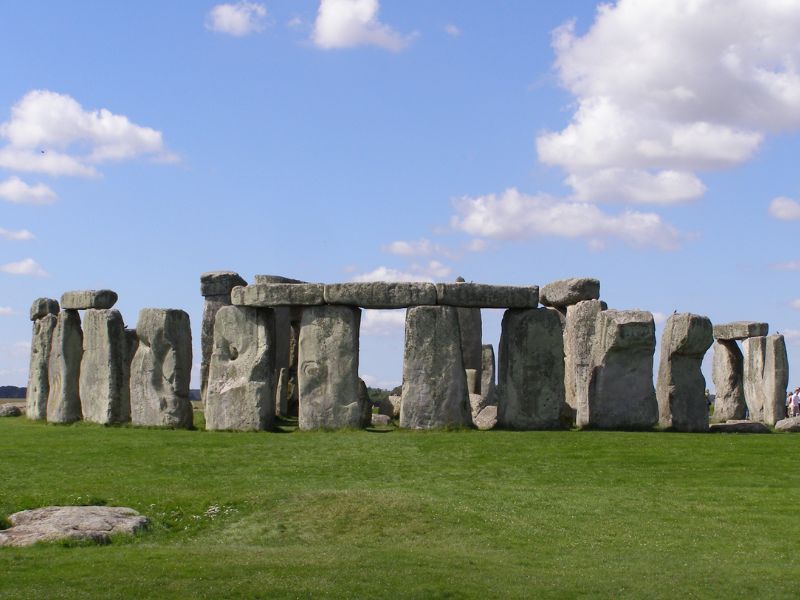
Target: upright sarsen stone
[[754, 355], [530, 389], [579, 332], [240, 393], [64, 366], [727, 373], [776, 379], [328, 368], [38, 373], [470, 326], [160, 369], [621, 392], [487, 373], [104, 380], [434, 382], [681, 386]]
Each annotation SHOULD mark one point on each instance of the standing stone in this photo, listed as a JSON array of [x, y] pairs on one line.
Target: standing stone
[[487, 374], [282, 393], [470, 325], [727, 373], [241, 394], [579, 334], [161, 368], [328, 371], [434, 382], [776, 379], [38, 378], [530, 387], [366, 404], [64, 367], [621, 392], [215, 287], [754, 354], [473, 381], [42, 307], [104, 381], [681, 386]]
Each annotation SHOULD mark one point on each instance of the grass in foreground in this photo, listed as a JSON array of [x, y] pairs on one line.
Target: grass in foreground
[[409, 514]]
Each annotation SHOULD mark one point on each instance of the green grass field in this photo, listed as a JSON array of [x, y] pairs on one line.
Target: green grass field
[[363, 514]]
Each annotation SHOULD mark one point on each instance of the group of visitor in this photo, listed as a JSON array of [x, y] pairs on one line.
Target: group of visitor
[[793, 403]]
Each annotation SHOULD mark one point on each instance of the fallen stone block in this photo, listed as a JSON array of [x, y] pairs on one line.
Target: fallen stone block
[[740, 330], [10, 410], [381, 294], [479, 295], [792, 425], [379, 420], [487, 418], [267, 295], [566, 292], [737, 426], [86, 299]]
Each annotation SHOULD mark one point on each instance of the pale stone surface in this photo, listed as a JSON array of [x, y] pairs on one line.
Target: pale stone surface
[[278, 294], [621, 392], [53, 523], [390, 407], [681, 386], [10, 410], [487, 418], [566, 292], [738, 426], [379, 420], [64, 366], [282, 393], [530, 389], [161, 368], [219, 283], [434, 383], [42, 307], [328, 371], [754, 355], [476, 404], [241, 392], [471, 328], [104, 380], [727, 376], [791, 425], [487, 373], [381, 294], [740, 330], [479, 295], [85, 299], [776, 379], [473, 381], [579, 330], [38, 377]]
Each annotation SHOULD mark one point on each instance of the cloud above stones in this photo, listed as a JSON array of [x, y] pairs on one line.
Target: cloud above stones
[[350, 23], [16, 236], [666, 89], [239, 19], [27, 266], [784, 209], [15, 190], [382, 322], [6, 311], [430, 271]]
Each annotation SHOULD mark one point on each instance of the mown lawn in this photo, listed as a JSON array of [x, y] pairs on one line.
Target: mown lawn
[[462, 514]]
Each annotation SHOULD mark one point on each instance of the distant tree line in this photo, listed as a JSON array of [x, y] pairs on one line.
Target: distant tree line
[[12, 391]]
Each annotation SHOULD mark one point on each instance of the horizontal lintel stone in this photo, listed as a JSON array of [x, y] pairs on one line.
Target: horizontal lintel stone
[[278, 294], [275, 279], [381, 294], [480, 295], [740, 330], [86, 299]]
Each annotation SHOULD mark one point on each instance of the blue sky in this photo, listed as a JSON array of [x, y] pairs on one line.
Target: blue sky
[[650, 145]]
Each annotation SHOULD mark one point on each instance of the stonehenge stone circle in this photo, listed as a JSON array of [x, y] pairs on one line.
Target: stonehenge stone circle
[[215, 287], [268, 295], [105, 376], [727, 374], [42, 307], [64, 366], [775, 379], [621, 392], [241, 393], [160, 369], [740, 330], [681, 387], [478, 295], [380, 294], [434, 382], [579, 333], [38, 373], [530, 387], [565, 292], [328, 370], [86, 299]]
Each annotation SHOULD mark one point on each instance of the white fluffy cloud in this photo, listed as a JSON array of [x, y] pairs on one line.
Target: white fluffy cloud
[[513, 215], [52, 133], [15, 190], [785, 209], [431, 271], [382, 322], [239, 19], [27, 266], [664, 89], [349, 23], [20, 235]]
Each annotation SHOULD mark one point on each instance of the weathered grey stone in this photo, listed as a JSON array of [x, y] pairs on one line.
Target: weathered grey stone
[[274, 279], [381, 294], [85, 299], [278, 294], [379, 420], [566, 292], [63, 368], [471, 328], [38, 377], [104, 380], [241, 392], [476, 404], [53, 523], [791, 425], [282, 393], [42, 307], [434, 383], [621, 392], [740, 330], [479, 295], [160, 369], [366, 403], [754, 355], [487, 373], [219, 283], [681, 386], [727, 375], [736, 426], [487, 418], [776, 379], [579, 333], [328, 371], [390, 407], [530, 389], [10, 410], [473, 381]]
